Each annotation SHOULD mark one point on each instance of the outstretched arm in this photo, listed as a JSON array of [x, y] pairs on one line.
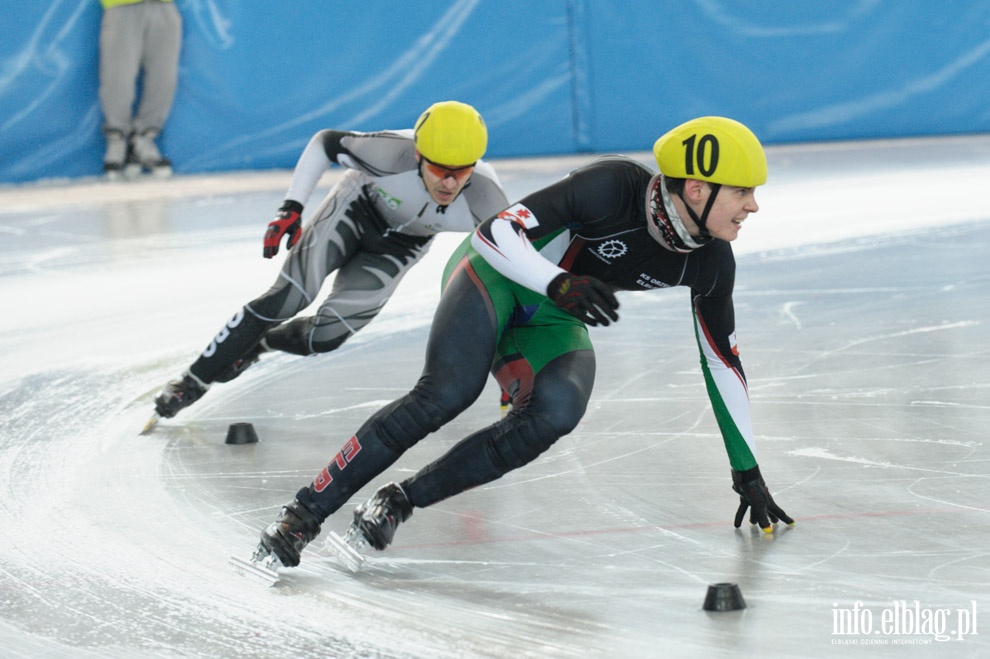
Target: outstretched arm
[[379, 153], [726, 383], [714, 327]]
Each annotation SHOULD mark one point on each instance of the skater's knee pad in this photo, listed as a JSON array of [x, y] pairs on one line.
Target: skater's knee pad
[[328, 346], [291, 337], [523, 439], [422, 411], [443, 398], [532, 429], [561, 413], [298, 338], [561, 392]]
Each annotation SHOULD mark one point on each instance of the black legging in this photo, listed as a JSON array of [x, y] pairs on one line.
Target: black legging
[[459, 355]]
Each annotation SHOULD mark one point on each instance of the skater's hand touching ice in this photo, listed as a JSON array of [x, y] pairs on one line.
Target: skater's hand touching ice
[[287, 222], [754, 496]]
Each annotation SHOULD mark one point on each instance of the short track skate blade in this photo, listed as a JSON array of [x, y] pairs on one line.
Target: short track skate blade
[[264, 570], [344, 552], [150, 425]]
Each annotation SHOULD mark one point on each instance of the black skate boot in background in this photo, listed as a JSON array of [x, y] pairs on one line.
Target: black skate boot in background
[[179, 394], [286, 537], [378, 518]]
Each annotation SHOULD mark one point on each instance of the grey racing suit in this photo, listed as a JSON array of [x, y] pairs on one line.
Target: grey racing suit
[[375, 223]]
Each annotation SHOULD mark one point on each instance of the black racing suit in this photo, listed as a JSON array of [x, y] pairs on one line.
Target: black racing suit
[[494, 316]]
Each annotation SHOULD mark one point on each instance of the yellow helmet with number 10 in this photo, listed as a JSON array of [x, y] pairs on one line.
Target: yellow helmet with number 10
[[452, 134], [713, 149]]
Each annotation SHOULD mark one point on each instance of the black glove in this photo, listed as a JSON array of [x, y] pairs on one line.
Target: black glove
[[753, 494], [585, 298], [287, 222]]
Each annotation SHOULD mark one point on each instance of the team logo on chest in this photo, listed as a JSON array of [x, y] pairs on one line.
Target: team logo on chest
[[389, 200], [610, 250]]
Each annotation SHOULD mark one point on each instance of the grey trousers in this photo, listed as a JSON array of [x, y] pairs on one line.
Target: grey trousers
[[142, 38]]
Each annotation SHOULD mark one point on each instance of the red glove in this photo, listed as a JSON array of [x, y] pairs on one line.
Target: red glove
[[287, 222], [585, 298]]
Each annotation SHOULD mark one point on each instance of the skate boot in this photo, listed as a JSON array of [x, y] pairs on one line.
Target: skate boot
[[286, 537], [374, 526], [179, 394], [115, 155], [145, 155], [379, 517], [242, 364]]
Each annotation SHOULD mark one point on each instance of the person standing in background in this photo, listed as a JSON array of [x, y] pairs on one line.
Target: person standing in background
[[137, 38]]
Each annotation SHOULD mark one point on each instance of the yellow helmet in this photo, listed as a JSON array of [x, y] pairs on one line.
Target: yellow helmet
[[451, 133], [713, 149]]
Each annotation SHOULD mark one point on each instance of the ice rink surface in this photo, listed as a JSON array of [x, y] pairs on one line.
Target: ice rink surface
[[863, 304]]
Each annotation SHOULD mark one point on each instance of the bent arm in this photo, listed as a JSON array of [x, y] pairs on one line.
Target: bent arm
[[504, 243], [380, 153], [309, 168]]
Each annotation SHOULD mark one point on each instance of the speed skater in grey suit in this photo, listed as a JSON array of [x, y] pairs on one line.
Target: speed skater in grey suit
[[401, 188]]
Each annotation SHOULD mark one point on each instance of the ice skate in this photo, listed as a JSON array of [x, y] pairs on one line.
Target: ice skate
[[150, 424], [146, 156], [177, 395], [286, 537], [115, 155], [374, 526], [349, 549], [262, 566], [281, 544], [379, 517]]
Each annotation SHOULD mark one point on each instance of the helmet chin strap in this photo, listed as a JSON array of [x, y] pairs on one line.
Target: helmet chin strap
[[702, 221]]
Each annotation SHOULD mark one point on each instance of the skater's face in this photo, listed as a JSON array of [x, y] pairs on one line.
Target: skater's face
[[731, 208], [442, 182]]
